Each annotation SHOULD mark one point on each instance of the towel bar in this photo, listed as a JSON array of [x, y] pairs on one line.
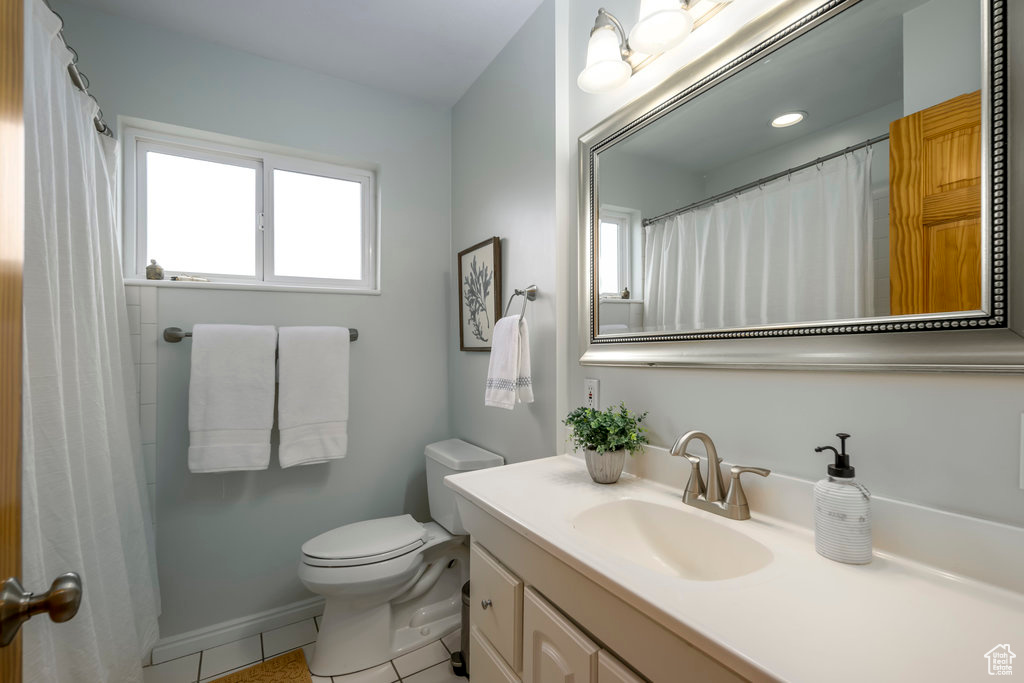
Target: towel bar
[[174, 335], [528, 294]]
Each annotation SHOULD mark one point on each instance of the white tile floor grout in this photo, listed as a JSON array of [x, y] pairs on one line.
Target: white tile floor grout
[[428, 664]]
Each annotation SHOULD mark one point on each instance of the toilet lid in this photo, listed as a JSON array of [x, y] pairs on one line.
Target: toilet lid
[[371, 541]]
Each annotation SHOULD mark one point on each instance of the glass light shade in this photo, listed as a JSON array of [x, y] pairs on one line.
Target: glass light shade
[[605, 69], [662, 25], [788, 119]]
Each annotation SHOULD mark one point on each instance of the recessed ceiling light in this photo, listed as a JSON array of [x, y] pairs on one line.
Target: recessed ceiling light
[[788, 119]]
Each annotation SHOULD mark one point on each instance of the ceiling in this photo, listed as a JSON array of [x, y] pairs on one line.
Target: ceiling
[[845, 68], [431, 51]]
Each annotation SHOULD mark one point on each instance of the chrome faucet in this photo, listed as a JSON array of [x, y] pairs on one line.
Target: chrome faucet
[[709, 498]]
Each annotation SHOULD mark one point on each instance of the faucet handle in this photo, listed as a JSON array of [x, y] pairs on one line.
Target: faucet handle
[[736, 500], [695, 484]]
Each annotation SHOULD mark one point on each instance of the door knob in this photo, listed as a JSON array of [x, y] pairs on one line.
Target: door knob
[[16, 606]]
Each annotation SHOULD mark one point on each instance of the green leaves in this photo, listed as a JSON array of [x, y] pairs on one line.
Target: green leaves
[[607, 430]]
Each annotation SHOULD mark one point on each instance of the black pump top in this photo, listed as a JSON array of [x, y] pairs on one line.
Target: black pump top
[[842, 467]]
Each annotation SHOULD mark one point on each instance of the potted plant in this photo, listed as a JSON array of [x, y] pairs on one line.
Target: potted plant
[[605, 437]]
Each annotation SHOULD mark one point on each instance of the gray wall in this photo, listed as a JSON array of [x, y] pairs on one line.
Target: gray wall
[[228, 544], [944, 440], [809, 147], [503, 183], [650, 185], [938, 63]]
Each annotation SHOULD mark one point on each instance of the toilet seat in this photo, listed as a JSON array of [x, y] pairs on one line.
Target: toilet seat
[[368, 542]]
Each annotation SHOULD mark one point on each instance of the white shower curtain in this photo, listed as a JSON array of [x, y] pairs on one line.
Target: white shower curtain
[[84, 506], [796, 249]]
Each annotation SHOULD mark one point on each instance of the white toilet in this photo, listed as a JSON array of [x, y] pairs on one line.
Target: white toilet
[[392, 585]]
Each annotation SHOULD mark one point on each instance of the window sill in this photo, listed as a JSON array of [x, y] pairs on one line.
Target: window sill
[[247, 286]]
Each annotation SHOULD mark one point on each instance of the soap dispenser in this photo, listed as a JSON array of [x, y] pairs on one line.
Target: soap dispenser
[[842, 511]]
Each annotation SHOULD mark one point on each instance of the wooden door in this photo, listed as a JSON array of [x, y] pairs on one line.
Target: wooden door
[[935, 208], [12, 201], [554, 651]]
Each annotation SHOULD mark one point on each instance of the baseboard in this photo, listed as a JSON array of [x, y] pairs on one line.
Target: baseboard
[[236, 629]]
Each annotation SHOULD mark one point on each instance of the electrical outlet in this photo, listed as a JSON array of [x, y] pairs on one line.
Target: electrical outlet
[[592, 393]]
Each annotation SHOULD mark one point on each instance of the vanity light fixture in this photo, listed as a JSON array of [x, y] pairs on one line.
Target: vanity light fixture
[[662, 25], [788, 119], [607, 52], [612, 57]]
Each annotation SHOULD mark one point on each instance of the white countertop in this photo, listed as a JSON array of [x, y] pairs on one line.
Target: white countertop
[[801, 618]]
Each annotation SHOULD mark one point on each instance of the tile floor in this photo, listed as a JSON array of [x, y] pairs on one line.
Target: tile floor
[[429, 664]]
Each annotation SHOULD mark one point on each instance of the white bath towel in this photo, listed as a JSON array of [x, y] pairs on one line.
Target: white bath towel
[[312, 406], [508, 375], [231, 397]]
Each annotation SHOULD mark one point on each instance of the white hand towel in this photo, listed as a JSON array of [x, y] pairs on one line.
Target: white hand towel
[[312, 406], [508, 374], [231, 397]]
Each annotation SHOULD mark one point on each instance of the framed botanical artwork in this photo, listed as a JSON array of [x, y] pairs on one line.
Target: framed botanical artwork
[[479, 294]]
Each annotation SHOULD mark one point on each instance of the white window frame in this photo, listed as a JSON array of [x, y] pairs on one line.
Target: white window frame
[[138, 141], [623, 248]]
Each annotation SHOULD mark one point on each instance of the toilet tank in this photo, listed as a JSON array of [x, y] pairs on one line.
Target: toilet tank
[[451, 457]]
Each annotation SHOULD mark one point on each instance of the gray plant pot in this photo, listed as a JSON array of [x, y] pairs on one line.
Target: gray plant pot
[[605, 468]]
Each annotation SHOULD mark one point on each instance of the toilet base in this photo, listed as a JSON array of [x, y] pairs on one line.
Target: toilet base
[[352, 640]]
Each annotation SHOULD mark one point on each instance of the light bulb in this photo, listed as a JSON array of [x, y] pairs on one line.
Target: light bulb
[[662, 25], [788, 119], [605, 69]]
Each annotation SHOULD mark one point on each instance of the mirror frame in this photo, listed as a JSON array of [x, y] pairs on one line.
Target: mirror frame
[[978, 341]]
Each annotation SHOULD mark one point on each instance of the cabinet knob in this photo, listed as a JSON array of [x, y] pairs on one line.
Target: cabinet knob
[[485, 603]]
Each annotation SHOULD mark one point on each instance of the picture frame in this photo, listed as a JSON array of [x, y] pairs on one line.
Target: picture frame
[[479, 294]]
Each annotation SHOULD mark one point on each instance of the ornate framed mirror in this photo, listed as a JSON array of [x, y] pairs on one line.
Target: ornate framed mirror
[[834, 197]]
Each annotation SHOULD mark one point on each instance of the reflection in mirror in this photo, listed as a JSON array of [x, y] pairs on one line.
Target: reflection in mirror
[[869, 205]]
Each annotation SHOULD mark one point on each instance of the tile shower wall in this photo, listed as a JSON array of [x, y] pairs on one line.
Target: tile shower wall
[[142, 312]]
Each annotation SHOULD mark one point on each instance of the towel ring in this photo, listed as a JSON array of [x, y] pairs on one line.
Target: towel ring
[[528, 294]]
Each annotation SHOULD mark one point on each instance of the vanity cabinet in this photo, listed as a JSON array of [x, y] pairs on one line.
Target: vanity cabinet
[[546, 622], [517, 636], [554, 651], [496, 606], [611, 670], [487, 664]]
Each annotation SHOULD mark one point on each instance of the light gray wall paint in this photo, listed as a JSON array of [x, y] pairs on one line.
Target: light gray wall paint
[[228, 544], [945, 440], [810, 147], [938, 63], [503, 182], [650, 185]]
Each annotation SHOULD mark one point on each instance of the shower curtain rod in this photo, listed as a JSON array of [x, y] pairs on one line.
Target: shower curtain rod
[[79, 79], [767, 179]]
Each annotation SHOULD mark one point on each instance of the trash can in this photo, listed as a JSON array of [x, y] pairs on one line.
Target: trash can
[[460, 659]]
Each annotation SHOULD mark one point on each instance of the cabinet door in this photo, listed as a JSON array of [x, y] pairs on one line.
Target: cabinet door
[[496, 605], [554, 651], [611, 670], [485, 664]]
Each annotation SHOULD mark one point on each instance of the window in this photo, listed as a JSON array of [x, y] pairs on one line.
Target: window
[[244, 215], [613, 253]]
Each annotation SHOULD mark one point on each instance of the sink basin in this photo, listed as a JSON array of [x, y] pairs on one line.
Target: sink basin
[[671, 541]]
